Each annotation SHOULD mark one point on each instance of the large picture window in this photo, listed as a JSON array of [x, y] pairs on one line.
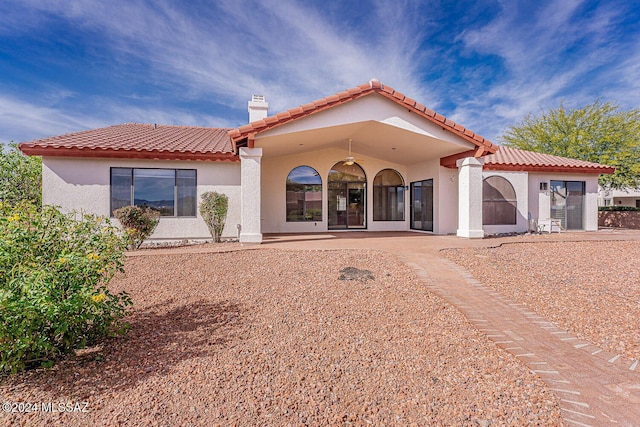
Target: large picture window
[[170, 191], [499, 203], [304, 195], [388, 196]]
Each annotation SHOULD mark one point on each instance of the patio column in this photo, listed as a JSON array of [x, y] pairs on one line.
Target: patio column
[[470, 198], [250, 227]]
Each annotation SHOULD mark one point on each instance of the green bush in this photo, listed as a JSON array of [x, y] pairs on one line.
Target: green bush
[[54, 271], [213, 209], [138, 223], [617, 208], [20, 177]]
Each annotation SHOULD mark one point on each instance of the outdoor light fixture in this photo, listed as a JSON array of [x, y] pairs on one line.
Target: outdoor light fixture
[[544, 186]]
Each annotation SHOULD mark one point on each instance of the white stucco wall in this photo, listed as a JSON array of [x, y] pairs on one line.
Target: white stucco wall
[[540, 200], [626, 197], [250, 195], [445, 193], [470, 198], [83, 184], [520, 183], [274, 176], [370, 108], [626, 201], [447, 209]]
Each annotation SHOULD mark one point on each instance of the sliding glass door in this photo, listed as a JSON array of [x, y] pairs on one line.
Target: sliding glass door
[[567, 203]]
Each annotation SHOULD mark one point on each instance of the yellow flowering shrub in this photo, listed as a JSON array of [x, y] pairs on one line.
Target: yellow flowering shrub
[[54, 275]]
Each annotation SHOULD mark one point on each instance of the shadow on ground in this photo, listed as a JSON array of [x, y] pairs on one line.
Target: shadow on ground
[[160, 338]]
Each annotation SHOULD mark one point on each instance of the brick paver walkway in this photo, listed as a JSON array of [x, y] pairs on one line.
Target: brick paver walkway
[[594, 388]]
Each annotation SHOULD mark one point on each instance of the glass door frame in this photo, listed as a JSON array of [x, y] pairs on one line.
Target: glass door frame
[[348, 187], [562, 211], [412, 186]]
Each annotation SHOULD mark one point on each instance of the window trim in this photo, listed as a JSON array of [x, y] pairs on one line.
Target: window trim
[[175, 189]]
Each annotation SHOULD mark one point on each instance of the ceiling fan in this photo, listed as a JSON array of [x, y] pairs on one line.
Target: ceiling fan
[[350, 160]]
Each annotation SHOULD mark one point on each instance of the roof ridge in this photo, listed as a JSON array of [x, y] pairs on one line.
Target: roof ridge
[[175, 126], [373, 86]]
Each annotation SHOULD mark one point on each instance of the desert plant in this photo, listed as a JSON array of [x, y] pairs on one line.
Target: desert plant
[[20, 177], [213, 209], [54, 272], [138, 223]]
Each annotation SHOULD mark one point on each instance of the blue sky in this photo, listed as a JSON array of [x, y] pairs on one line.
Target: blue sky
[[72, 65]]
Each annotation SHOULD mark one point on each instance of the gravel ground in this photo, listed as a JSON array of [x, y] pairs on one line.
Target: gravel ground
[[275, 338], [592, 288]]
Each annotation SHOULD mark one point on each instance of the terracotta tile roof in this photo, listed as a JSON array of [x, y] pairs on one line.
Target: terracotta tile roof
[[244, 133], [521, 160], [134, 140]]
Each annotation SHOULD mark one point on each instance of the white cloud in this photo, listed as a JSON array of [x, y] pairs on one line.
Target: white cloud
[[23, 121], [284, 49], [550, 54], [294, 52]]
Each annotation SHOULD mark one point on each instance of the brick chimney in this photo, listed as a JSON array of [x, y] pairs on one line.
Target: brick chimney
[[257, 108]]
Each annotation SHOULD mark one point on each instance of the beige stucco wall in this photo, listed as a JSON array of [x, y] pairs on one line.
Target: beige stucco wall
[[626, 201], [520, 183], [274, 176], [540, 200], [445, 193], [84, 185], [625, 197], [374, 108]]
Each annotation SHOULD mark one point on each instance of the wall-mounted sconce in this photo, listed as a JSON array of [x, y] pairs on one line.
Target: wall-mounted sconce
[[544, 186]]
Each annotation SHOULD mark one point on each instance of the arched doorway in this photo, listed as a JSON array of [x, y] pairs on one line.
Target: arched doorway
[[347, 196]]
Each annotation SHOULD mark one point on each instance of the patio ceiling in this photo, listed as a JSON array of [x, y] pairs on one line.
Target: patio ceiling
[[369, 138]]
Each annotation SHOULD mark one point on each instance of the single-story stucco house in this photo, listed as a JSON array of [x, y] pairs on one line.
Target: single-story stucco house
[[367, 158], [629, 197]]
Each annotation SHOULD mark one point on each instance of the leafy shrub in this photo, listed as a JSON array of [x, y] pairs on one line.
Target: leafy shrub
[[54, 271], [618, 208], [213, 209], [138, 223], [20, 177]]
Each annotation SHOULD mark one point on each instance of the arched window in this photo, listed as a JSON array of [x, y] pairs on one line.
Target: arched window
[[499, 203], [304, 195], [388, 196]]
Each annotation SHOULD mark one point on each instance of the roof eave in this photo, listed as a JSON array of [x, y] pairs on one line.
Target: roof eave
[[125, 154], [549, 169], [239, 134]]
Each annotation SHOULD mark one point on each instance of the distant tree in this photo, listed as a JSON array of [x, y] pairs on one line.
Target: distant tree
[[20, 177], [600, 132]]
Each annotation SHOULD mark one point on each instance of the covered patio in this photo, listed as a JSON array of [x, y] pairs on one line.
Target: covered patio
[[366, 159]]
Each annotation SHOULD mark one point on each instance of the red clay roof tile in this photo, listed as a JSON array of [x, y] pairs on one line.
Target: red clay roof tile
[[374, 86], [138, 141], [507, 158]]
